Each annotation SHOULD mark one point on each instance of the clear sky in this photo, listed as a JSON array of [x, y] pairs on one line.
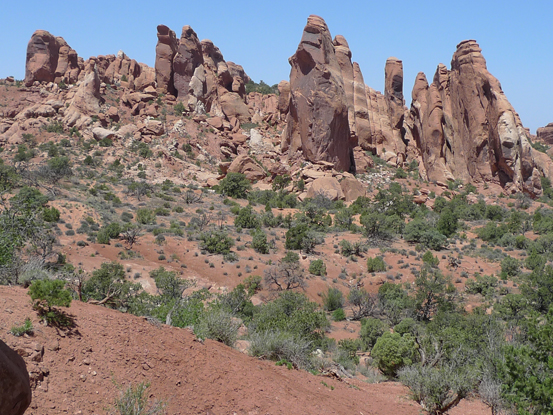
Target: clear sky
[[516, 36]]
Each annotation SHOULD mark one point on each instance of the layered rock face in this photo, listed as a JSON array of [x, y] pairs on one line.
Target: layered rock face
[[466, 128], [317, 122], [15, 387]]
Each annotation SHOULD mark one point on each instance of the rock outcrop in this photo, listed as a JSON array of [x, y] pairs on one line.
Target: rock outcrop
[[317, 121], [50, 59], [545, 134], [15, 387], [466, 129]]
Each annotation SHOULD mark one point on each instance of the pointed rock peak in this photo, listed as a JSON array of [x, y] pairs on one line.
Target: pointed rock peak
[[315, 24], [421, 84], [163, 30], [341, 44], [468, 53], [188, 33], [441, 76]]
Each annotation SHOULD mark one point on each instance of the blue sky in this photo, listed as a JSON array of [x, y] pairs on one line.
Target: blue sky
[[516, 36]]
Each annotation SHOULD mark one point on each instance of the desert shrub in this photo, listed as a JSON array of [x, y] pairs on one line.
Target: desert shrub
[[364, 304], [392, 351], [145, 216], [338, 315], [510, 267], [430, 259], [437, 389], [447, 223], [259, 242], [286, 275], [235, 185], [317, 267], [216, 242], [420, 231], [48, 294], [295, 236], [108, 286], [51, 214], [371, 329], [277, 345], [246, 218], [252, 284], [376, 264], [293, 313], [333, 299], [217, 324], [25, 328], [482, 284], [134, 401], [356, 248], [179, 108]]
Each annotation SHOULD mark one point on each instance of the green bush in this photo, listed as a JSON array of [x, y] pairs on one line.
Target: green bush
[[371, 330], [376, 264], [277, 345], [145, 216], [216, 242], [392, 351], [217, 324], [317, 267], [134, 401], [430, 259], [26, 328], [51, 214], [179, 108], [246, 218], [259, 242], [338, 315], [48, 294], [333, 299], [235, 185]]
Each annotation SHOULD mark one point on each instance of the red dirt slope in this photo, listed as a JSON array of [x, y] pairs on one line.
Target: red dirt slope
[[75, 373]]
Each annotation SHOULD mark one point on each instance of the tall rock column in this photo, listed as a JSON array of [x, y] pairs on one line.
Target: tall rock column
[[343, 54], [187, 59], [166, 49], [317, 122], [467, 129]]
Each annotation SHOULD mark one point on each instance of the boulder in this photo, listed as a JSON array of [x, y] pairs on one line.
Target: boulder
[[245, 165], [317, 122], [100, 133], [327, 186], [352, 189], [15, 387]]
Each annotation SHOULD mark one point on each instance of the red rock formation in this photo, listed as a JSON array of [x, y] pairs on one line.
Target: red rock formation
[[466, 128], [166, 49], [317, 121], [50, 59], [187, 59], [545, 134]]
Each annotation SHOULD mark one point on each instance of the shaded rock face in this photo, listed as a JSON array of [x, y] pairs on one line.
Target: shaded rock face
[[466, 128], [50, 59], [545, 134], [15, 387], [166, 49], [187, 59], [317, 121]]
